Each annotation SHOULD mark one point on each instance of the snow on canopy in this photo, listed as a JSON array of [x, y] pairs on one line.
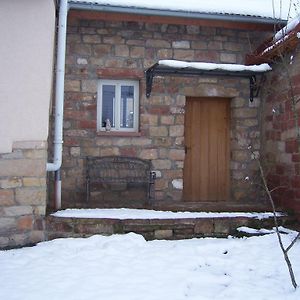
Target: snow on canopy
[[279, 9], [212, 66]]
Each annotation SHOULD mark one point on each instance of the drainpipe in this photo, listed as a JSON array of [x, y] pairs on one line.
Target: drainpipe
[[59, 100]]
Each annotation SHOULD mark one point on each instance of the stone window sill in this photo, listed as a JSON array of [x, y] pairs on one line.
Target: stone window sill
[[118, 133]]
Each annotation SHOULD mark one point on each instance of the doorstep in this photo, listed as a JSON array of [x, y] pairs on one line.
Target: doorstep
[[214, 225]]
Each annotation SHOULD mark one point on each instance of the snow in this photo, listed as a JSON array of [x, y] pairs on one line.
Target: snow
[[177, 184], [126, 267], [213, 66], [127, 213], [261, 8], [287, 29], [254, 231]]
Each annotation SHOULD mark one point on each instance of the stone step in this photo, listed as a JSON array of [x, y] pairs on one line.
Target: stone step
[[170, 229], [216, 206]]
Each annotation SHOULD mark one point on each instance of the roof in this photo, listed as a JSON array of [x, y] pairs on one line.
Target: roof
[[255, 10]]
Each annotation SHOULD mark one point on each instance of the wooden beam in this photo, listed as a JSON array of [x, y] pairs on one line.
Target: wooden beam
[[269, 51], [119, 17]]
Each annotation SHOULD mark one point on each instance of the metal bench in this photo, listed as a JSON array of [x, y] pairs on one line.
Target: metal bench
[[117, 173]]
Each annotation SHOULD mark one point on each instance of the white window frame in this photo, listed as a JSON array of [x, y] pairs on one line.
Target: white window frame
[[117, 105]]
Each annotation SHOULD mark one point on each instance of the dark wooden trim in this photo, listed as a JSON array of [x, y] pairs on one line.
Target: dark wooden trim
[[289, 43], [117, 17]]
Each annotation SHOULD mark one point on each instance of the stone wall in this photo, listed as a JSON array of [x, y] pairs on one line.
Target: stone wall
[[281, 127], [23, 194], [123, 50]]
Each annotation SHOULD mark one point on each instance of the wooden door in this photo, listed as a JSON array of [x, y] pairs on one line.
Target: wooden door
[[206, 166]]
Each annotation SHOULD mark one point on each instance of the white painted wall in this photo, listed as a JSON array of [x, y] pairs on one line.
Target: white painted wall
[[27, 31]]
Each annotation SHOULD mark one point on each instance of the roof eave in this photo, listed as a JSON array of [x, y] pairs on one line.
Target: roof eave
[[173, 13]]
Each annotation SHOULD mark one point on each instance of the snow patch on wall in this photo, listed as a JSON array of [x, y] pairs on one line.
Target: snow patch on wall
[[177, 184]]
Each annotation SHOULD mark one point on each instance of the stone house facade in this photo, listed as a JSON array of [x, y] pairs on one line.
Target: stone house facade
[[108, 51], [100, 47]]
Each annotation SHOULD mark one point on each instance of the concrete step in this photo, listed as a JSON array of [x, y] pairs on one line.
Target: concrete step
[[170, 229]]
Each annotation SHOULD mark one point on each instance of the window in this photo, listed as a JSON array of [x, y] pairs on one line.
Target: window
[[118, 104]]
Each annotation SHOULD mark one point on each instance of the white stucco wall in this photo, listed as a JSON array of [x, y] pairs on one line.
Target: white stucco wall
[[26, 59]]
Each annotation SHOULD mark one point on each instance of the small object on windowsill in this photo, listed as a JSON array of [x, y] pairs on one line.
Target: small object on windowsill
[[107, 125]]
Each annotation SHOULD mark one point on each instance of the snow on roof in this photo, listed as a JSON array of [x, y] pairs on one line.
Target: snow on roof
[[282, 9], [212, 66], [288, 28]]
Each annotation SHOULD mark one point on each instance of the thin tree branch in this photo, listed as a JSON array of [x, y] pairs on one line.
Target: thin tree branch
[[277, 188], [293, 242]]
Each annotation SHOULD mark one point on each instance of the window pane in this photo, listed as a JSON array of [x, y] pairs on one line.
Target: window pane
[[108, 104], [127, 107]]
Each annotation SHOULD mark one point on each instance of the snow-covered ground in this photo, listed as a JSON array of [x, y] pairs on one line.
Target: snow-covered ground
[[129, 268], [129, 213]]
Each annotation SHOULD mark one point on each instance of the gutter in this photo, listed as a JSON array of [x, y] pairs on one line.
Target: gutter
[[59, 100], [174, 13]]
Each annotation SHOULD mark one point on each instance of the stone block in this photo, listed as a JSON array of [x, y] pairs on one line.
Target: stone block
[[215, 45], [31, 196], [241, 156], [122, 50], [15, 211], [115, 39], [167, 120], [181, 45], [204, 226], [7, 224], [75, 151], [153, 43], [176, 154], [91, 38], [34, 182], [162, 234], [177, 130], [137, 52], [158, 131], [25, 223], [101, 50], [149, 154], [10, 184], [39, 210], [244, 113], [184, 54], [193, 29], [164, 53], [6, 197], [72, 85], [121, 142], [35, 153], [162, 164], [36, 236], [94, 228], [222, 226], [4, 241], [141, 141], [22, 167], [89, 86], [161, 184], [228, 58]]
